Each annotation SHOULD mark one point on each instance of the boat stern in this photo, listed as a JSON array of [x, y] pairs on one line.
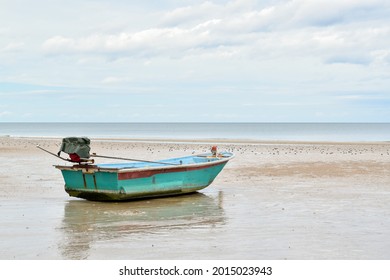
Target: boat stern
[[87, 181]]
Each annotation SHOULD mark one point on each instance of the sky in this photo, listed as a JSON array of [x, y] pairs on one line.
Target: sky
[[195, 61]]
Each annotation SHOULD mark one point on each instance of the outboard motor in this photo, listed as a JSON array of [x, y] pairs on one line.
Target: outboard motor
[[77, 148]]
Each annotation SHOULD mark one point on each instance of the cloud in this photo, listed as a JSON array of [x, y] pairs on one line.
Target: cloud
[[154, 41], [4, 113], [331, 12], [350, 59], [319, 28], [190, 14], [12, 47]]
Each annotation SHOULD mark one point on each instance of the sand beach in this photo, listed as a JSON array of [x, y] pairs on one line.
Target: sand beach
[[274, 200]]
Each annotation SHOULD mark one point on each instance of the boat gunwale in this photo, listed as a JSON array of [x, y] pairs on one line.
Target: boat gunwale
[[96, 168]]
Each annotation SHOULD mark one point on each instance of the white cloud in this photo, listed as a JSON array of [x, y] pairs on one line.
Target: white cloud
[[4, 113], [286, 27], [12, 47], [155, 41], [191, 14], [329, 12]]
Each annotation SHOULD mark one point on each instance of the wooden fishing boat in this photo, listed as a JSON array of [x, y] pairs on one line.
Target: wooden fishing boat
[[140, 179]]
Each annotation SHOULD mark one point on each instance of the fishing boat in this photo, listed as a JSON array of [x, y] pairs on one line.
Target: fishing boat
[[136, 178]]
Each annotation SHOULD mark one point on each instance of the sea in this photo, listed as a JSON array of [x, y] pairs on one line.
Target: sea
[[235, 131]]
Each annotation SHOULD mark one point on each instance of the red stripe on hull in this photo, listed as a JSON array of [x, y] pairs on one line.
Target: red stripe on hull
[[148, 173]]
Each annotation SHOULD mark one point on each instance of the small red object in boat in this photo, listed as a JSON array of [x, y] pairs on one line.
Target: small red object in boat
[[74, 158], [214, 150]]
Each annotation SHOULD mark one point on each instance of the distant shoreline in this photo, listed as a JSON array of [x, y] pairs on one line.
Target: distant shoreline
[[206, 132], [206, 141]]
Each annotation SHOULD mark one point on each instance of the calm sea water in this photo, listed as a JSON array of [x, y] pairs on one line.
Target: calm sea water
[[255, 131]]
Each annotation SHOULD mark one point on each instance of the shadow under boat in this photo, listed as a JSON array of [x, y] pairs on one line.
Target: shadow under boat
[[87, 222]]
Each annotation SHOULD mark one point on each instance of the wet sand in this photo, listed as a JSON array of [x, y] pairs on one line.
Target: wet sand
[[273, 201]]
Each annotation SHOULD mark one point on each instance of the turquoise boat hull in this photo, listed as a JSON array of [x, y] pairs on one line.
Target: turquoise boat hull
[[104, 182]]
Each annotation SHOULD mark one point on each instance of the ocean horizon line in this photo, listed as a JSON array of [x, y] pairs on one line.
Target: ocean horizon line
[[179, 122], [185, 130]]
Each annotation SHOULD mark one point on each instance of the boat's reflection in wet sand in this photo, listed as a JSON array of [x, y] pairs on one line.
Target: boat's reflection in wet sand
[[86, 223]]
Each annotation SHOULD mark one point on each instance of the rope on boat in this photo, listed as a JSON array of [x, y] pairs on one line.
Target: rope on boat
[[85, 160], [53, 154], [95, 155], [132, 159]]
